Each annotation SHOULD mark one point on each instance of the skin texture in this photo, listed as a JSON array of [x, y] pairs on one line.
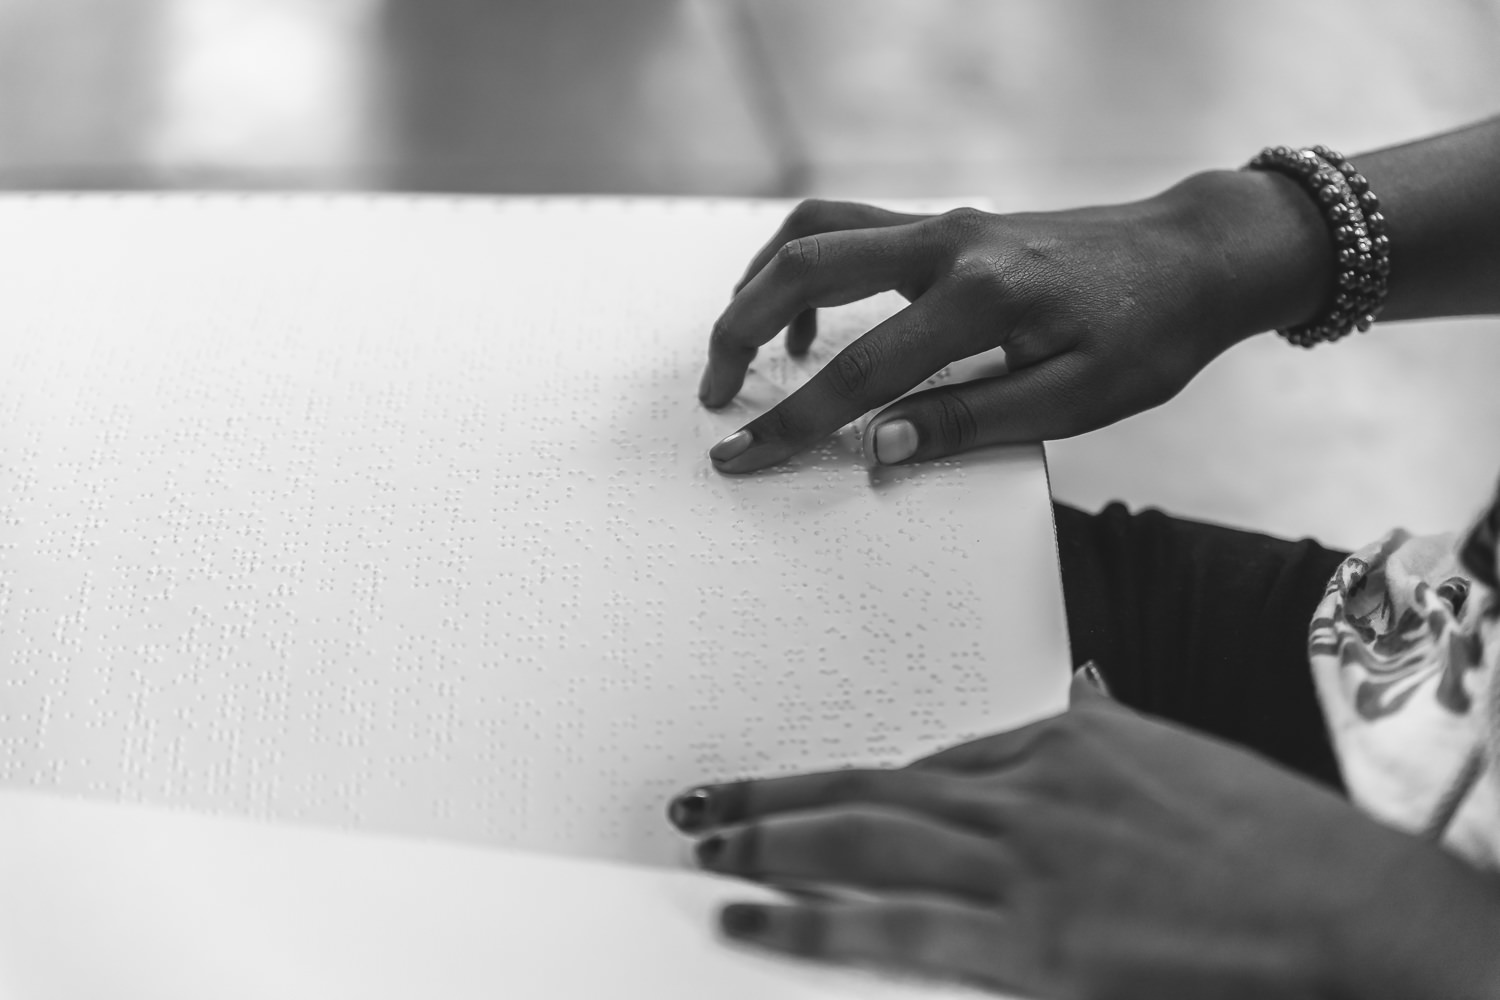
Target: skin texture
[[1103, 312], [1100, 854]]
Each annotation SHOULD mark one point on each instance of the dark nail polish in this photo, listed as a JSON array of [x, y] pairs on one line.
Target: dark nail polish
[[689, 811], [710, 850], [744, 919]]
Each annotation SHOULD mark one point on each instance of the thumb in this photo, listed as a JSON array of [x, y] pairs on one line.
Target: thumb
[[1047, 400], [1088, 686]]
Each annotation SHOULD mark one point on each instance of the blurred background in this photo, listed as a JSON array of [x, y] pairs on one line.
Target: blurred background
[[1029, 103]]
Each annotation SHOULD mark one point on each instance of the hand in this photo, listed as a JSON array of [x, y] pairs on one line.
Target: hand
[[1102, 312], [1102, 854]]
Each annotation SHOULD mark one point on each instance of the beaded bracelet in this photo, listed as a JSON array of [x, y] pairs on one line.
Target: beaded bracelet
[[1361, 245]]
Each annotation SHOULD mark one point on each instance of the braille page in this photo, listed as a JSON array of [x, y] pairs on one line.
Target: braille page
[[135, 903], [395, 514]]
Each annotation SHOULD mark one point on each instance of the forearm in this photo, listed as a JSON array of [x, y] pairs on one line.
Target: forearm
[[1441, 199], [1267, 255]]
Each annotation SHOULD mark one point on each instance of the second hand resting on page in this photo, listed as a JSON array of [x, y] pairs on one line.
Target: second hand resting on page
[[1098, 853]]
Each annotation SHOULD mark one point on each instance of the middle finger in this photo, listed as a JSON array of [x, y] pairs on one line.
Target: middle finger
[[815, 216], [823, 270], [865, 849]]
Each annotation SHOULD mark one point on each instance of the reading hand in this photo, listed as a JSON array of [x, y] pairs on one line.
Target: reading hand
[[1102, 312], [1101, 854]]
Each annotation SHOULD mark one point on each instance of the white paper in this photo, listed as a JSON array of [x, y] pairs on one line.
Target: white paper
[[129, 903], [394, 514]]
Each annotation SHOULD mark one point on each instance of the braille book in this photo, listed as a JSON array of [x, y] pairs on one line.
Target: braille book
[[393, 515]]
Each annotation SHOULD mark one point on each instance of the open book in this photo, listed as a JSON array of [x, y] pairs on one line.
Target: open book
[[394, 515]]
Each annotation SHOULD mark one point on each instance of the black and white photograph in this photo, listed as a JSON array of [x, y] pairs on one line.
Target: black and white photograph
[[750, 499]]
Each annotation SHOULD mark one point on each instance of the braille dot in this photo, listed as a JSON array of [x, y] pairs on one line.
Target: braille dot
[[290, 548]]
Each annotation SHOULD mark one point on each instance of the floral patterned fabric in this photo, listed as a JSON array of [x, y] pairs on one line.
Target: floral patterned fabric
[[1405, 649]]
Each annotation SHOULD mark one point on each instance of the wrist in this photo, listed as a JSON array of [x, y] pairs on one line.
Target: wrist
[[1264, 252]]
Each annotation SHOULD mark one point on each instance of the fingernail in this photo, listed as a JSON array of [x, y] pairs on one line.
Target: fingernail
[[1090, 671], [710, 850], [704, 384], [689, 811], [734, 444], [744, 919], [895, 441]]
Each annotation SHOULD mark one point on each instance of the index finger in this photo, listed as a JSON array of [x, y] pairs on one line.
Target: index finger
[[938, 794], [824, 270], [877, 368]]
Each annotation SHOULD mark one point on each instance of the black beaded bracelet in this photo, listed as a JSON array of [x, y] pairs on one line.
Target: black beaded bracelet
[[1361, 245]]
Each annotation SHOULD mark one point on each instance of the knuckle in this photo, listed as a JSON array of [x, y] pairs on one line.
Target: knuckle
[[975, 271], [797, 257], [776, 424], [962, 228], [852, 371], [807, 212], [722, 339], [957, 426], [963, 220]]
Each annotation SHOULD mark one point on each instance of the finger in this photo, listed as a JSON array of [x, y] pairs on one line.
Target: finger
[[815, 216], [1053, 399], [871, 849], [811, 218], [1088, 686], [801, 334], [878, 367], [826, 270], [938, 795], [948, 940], [988, 753]]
